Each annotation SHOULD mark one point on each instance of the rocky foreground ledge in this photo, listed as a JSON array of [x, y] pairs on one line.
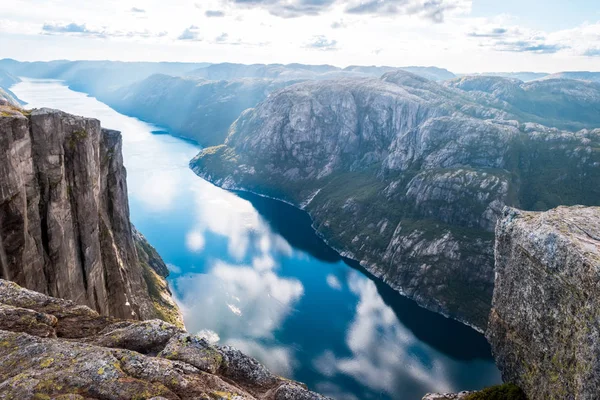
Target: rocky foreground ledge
[[54, 349], [544, 327]]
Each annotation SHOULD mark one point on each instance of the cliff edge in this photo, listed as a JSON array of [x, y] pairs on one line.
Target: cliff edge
[[64, 217], [54, 349], [544, 326]]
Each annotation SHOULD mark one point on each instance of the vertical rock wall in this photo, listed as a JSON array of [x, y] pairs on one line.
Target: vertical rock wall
[[64, 214]]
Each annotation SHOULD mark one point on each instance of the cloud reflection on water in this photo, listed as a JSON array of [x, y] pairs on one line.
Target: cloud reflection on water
[[381, 356]]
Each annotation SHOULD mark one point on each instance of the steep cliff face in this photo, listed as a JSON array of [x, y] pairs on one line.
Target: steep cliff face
[[54, 349], [406, 175], [64, 214], [545, 323]]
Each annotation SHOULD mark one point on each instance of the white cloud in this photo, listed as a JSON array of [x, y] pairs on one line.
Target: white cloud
[[383, 32], [334, 282], [385, 355], [174, 268], [232, 299], [194, 241]]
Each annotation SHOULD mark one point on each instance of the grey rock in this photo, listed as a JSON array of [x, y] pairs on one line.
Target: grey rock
[[194, 351], [544, 326], [447, 396], [408, 176], [144, 337], [64, 214], [246, 370], [102, 365]]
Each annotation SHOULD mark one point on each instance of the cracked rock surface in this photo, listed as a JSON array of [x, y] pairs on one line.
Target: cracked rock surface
[[54, 349]]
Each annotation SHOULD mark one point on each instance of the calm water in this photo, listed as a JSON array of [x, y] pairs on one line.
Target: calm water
[[250, 272]]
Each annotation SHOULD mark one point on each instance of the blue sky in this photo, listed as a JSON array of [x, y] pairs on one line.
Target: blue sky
[[461, 35], [547, 15]]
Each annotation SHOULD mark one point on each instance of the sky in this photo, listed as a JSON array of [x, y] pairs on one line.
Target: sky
[[460, 35]]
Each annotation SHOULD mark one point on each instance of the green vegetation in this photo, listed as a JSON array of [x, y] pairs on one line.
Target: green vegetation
[[507, 391], [76, 138]]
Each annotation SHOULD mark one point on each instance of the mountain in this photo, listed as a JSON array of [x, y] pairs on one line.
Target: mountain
[[544, 327], [562, 103], [95, 77], [522, 76], [56, 349], [64, 217], [7, 98], [430, 73], [194, 108], [406, 175], [228, 71], [6, 81], [579, 75]]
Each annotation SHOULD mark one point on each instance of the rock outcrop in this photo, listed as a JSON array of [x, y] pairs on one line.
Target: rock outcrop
[[544, 327], [406, 175], [64, 217], [54, 349]]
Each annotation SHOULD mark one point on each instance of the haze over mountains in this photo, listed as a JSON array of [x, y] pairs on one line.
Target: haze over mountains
[[406, 169]]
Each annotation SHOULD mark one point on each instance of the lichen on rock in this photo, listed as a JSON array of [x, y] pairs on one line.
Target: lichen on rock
[[126, 359]]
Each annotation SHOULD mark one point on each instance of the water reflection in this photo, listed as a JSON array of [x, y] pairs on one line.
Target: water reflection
[[250, 272]]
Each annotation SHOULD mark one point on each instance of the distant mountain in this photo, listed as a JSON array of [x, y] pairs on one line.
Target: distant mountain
[[95, 77], [430, 73], [410, 176], [194, 108], [6, 81], [561, 103], [580, 75], [228, 71], [522, 76]]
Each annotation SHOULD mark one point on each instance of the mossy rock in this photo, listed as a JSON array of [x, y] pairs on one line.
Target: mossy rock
[[507, 391]]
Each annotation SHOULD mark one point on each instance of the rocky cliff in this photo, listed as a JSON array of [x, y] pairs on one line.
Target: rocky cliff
[[544, 327], [55, 349], [64, 217], [406, 175]]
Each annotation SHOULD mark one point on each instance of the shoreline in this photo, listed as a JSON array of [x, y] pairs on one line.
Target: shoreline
[[228, 184]]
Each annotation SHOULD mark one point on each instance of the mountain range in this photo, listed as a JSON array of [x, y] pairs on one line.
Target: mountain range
[[404, 169]]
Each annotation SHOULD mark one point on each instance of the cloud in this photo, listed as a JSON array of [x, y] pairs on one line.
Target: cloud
[[68, 28], [83, 30], [334, 282], [190, 34], [174, 268], [222, 38], [233, 298], [214, 13], [516, 39], [530, 46], [322, 43], [434, 10], [492, 33], [137, 10], [592, 52], [194, 241], [338, 24], [288, 8]]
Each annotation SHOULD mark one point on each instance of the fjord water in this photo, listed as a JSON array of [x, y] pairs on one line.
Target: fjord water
[[250, 272]]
